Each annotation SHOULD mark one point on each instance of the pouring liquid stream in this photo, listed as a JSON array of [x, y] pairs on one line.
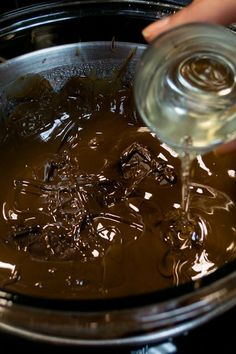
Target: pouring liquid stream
[[206, 74], [209, 75], [185, 92]]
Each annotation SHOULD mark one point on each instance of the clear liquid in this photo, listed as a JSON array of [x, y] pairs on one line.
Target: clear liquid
[[186, 106], [194, 97], [185, 177], [185, 92]]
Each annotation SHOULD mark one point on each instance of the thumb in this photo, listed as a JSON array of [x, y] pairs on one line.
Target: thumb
[[213, 11]]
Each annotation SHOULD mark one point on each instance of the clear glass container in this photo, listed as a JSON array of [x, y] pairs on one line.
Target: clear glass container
[[134, 320], [185, 87]]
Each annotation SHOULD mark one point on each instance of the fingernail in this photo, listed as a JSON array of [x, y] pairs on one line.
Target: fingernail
[[153, 29]]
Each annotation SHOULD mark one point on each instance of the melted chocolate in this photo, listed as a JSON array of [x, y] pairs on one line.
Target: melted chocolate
[[87, 193]]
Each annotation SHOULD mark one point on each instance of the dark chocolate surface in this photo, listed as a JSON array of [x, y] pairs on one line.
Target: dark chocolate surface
[[91, 199]]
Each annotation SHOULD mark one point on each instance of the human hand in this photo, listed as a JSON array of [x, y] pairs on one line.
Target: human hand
[[213, 11]]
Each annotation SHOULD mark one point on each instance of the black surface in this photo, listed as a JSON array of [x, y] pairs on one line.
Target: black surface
[[7, 5], [215, 337]]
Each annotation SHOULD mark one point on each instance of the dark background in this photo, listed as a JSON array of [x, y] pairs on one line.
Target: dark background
[[6, 5], [217, 336]]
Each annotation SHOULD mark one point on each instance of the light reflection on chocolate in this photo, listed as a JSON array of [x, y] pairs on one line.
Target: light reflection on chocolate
[[86, 191]]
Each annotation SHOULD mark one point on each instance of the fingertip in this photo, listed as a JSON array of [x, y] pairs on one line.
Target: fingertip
[[155, 28], [147, 36]]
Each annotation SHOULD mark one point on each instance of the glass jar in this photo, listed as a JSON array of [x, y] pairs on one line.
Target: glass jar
[[185, 87], [134, 320]]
